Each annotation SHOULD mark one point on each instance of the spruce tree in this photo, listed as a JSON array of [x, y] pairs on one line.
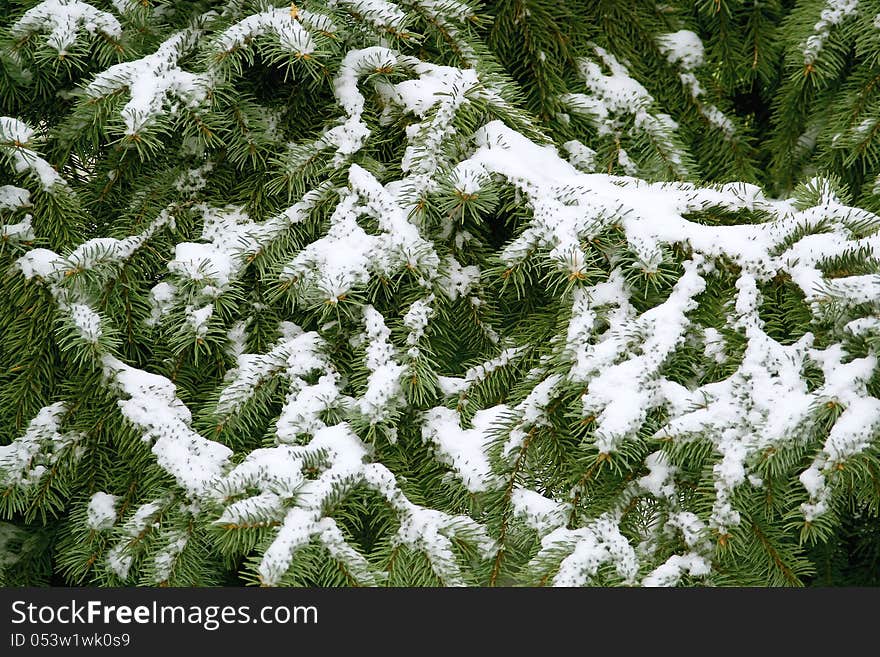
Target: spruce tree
[[439, 292]]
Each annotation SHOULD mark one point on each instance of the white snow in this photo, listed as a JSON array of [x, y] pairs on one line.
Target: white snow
[[166, 558], [21, 231], [101, 511], [581, 156], [671, 571], [154, 81], [457, 280], [25, 460], [63, 20], [599, 542], [329, 267], [87, 321], [538, 512], [381, 14], [12, 198], [343, 468], [17, 134], [291, 33], [833, 14], [683, 48], [383, 385], [416, 320], [463, 449], [152, 405]]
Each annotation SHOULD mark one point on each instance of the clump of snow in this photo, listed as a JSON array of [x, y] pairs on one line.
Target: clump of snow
[[416, 320], [198, 319], [329, 267], [384, 15], [659, 480], [671, 571], [101, 511], [281, 22], [590, 547], [145, 517], [616, 99], [161, 300], [298, 356], [457, 280], [165, 559], [229, 236], [17, 134], [284, 494], [582, 157], [612, 97], [683, 48], [87, 321]]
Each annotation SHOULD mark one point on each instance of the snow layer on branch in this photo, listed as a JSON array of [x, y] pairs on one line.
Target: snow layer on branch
[[165, 559], [86, 320], [382, 14], [298, 356], [581, 156], [16, 134], [230, 239], [712, 114], [589, 548], [50, 266], [281, 22], [22, 231], [612, 97], [284, 494], [457, 280], [463, 449], [350, 135], [120, 557], [39, 262], [459, 385], [683, 48], [228, 235], [153, 81], [12, 198], [766, 401], [63, 20], [25, 461], [671, 571], [101, 511], [416, 320], [383, 384]]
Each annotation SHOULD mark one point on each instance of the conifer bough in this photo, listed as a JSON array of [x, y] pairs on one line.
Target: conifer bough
[[432, 292]]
